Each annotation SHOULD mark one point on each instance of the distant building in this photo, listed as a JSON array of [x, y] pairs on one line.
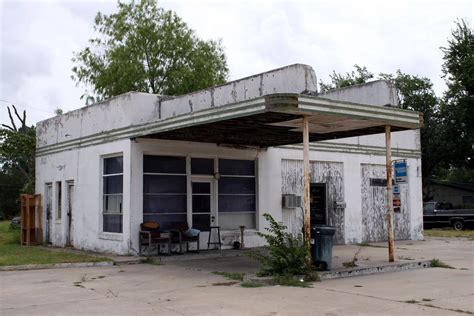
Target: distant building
[[456, 193]]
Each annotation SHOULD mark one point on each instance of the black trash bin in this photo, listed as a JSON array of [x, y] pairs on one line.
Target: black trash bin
[[321, 246]]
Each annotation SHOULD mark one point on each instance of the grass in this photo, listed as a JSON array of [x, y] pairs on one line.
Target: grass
[[349, 264], [288, 280], [251, 284], [412, 302], [239, 276], [436, 263], [12, 253], [449, 233], [282, 280]]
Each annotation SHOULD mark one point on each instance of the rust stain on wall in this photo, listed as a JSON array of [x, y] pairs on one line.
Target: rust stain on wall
[[330, 173], [374, 210]]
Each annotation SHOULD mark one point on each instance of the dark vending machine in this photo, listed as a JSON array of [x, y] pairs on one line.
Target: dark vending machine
[[318, 204]]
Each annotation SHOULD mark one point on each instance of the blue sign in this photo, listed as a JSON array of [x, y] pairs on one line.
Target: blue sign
[[401, 172], [396, 190]]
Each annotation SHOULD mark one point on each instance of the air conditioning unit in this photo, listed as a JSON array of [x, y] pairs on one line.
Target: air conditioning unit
[[291, 201]]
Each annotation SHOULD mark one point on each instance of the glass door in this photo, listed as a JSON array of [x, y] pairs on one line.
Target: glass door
[[203, 215]]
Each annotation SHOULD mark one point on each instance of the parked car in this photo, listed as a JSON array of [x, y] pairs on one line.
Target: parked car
[[16, 222], [442, 214]]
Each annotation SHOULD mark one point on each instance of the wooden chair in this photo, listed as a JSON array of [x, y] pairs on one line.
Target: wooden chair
[[178, 236], [150, 236]]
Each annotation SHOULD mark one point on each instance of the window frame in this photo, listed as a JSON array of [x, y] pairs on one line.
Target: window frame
[[216, 176], [255, 195], [185, 175], [103, 194]]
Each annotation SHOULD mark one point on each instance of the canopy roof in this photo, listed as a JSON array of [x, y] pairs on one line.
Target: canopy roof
[[276, 119]]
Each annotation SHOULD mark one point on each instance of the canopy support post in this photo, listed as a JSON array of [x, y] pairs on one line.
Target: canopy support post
[[306, 180], [388, 145]]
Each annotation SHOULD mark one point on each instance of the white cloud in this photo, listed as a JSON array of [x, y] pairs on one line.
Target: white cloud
[[37, 39]]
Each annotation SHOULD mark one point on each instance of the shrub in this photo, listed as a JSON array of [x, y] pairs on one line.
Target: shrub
[[283, 254]]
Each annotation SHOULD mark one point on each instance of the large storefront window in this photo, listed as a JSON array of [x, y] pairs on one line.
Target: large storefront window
[[237, 194], [164, 190], [112, 194]]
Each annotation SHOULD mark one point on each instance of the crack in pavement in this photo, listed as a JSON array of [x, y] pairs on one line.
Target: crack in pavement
[[398, 301], [52, 303]]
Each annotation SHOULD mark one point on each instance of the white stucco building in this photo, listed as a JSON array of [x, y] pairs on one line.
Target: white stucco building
[[224, 156]]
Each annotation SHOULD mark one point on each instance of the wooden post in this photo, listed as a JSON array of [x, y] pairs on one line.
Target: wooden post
[[39, 210], [28, 220], [391, 256], [306, 179]]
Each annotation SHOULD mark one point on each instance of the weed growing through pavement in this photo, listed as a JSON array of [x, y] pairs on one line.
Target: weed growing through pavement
[[411, 301], [251, 284], [239, 276], [352, 263], [436, 263]]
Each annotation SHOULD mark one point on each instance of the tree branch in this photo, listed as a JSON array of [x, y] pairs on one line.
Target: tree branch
[[22, 121], [11, 120], [9, 127]]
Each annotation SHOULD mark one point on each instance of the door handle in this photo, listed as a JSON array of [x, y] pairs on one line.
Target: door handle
[[213, 218]]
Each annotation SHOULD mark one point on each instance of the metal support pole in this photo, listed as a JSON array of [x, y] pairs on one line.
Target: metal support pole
[[391, 256], [306, 179]]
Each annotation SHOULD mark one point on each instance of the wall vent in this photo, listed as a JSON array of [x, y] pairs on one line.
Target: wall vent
[[291, 201]]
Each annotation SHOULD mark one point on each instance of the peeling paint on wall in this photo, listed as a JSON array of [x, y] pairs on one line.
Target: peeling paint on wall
[[330, 173], [374, 210]]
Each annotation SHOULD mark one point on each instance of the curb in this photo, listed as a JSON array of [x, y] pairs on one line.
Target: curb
[[328, 275], [131, 261], [352, 272], [57, 266]]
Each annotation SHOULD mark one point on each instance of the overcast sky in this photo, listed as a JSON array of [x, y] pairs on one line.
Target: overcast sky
[[38, 37]]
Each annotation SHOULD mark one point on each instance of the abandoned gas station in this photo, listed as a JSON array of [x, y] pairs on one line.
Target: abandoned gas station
[[228, 154]]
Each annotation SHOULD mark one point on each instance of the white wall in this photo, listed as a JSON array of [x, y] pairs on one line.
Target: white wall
[[270, 195], [84, 167]]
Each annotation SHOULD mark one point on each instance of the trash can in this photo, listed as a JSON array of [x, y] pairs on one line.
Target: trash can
[[321, 246]]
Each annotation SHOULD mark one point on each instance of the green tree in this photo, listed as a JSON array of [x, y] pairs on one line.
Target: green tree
[[145, 48], [457, 106], [360, 75], [17, 161], [416, 93]]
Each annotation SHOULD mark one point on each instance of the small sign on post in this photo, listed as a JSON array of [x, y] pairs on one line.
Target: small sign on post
[[401, 174], [397, 203]]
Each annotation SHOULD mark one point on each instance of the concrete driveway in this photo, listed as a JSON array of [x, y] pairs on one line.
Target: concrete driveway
[[190, 288]]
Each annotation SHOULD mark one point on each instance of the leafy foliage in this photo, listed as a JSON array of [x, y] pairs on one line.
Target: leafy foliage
[[17, 151], [416, 93], [457, 106], [145, 48], [284, 254], [17, 161], [360, 75], [447, 137]]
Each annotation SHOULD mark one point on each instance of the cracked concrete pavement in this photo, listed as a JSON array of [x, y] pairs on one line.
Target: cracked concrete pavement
[[190, 288]]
